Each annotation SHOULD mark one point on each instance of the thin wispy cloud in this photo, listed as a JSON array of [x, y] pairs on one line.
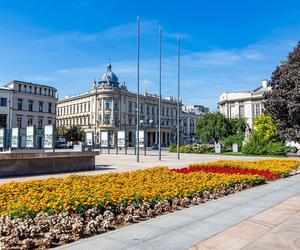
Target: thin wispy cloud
[[70, 51], [204, 75]]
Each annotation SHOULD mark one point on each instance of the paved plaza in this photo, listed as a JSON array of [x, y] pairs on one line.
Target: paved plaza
[[266, 217], [106, 163]]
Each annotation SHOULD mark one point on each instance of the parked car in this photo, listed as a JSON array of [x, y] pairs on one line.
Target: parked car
[[61, 144], [155, 146], [294, 146]]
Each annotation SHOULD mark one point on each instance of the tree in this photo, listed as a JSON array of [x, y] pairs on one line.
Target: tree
[[215, 126], [283, 102], [74, 134], [61, 132], [265, 126]]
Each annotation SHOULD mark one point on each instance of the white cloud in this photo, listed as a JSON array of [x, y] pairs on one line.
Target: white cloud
[[204, 75]]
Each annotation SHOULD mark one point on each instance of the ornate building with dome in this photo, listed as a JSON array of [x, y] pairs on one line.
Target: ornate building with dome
[[109, 106]]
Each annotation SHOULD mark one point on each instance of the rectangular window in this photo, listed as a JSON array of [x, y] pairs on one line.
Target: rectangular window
[[256, 109], [30, 89], [40, 123], [49, 121], [231, 112], [30, 105], [35, 90], [20, 103], [142, 108], [20, 87], [41, 104], [241, 111], [19, 122], [29, 121], [107, 104], [130, 106], [49, 107], [3, 119], [106, 119], [3, 102]]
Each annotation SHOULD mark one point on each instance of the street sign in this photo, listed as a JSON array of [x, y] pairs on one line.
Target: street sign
[[30, 137], [89, 138], [121, 138], [2, 137], [49, 136], [104, 139], [141, 138], [15, 137]]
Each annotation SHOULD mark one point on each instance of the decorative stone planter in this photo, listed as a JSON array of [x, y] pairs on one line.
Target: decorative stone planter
[[37, 162]]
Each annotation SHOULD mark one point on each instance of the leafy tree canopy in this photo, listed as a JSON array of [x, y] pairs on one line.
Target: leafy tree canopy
[[283, 102], [265, 126], [61, 132], [215, 126], [72, 134]]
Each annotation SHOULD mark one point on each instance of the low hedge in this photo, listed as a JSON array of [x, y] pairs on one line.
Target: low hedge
[[194, 148]]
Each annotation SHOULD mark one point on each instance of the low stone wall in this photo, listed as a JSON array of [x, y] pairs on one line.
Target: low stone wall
[[33, 163]]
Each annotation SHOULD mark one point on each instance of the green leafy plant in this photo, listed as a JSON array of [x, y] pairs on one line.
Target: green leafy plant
[[265, 139]]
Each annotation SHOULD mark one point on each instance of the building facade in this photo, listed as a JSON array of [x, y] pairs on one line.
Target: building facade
[[109, 106], [248, 104], [190, 115], [5, 116], [31, 104]]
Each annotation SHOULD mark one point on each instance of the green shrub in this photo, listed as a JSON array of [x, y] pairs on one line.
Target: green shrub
[[193, 148], [258, 145], [228, 141]]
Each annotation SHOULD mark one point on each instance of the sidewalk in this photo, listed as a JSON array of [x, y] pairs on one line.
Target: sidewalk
[[275, 228], [185, 228]]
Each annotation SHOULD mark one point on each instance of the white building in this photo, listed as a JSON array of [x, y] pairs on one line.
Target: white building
[[30, 104], [110, 107], [247, 104]]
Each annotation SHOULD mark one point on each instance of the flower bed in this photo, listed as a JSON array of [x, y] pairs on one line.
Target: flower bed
[[225, 170], [51, 212], [276, 166]]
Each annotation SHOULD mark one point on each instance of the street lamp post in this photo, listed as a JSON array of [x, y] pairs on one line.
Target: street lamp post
[[138, 91]]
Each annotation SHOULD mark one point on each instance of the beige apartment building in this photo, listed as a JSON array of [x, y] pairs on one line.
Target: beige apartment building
[[109, 106], [247, 104], [31, 104]]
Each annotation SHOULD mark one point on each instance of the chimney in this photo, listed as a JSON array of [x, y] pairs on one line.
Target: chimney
[[264, 83]]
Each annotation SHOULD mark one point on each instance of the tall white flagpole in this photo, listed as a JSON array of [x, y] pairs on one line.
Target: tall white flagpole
[[138, 92], [178, 99]]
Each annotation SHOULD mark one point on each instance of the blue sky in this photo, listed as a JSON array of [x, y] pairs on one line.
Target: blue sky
[[226, 45]]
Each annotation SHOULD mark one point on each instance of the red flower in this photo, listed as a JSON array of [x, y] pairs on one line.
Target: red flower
[[228, 170]]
